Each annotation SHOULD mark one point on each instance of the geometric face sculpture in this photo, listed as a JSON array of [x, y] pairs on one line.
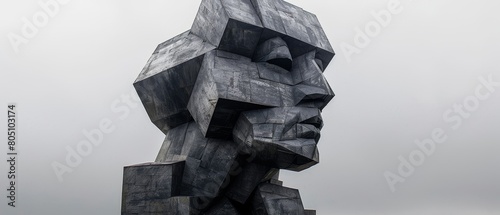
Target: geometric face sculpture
[[239, 97]]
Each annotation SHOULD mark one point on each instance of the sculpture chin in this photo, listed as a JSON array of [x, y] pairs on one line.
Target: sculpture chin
[[295, 155]]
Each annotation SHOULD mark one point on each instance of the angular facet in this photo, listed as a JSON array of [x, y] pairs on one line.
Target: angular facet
[[147, 187], [230, 25], [271, 199], [299, 28], [166, 82]]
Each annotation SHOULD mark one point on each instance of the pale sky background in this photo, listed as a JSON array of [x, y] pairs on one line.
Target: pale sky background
[[393, 92]]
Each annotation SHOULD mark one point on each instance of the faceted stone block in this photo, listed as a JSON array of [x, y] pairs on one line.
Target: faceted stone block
[[271, 199], [299, 28], [309, 212], [207, 161], [243, 184], [166, 82], [222, 207], [146, 187], [237, 26], [230, 25], [185, 205]]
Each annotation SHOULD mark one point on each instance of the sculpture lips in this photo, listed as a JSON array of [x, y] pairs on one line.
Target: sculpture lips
[[308, 131], [303, 131], [316, 121], [310, 128]]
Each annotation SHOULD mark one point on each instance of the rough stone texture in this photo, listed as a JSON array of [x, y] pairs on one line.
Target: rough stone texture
[[173, 68], [147, 187], [309, 212], [299, 28], [207, 161], [238, 97], [271, 199], [231, 25], [244, 184], [222, 207]]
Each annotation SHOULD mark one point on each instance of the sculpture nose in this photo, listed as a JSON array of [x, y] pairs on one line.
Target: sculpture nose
[[312, 88]]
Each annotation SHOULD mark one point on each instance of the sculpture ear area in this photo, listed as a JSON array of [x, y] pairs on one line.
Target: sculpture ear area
[[274, 51]]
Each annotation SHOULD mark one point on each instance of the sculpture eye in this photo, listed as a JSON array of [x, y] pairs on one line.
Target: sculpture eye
[[274, 51]]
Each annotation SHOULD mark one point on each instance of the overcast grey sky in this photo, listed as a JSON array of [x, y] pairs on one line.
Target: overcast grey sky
[[419, 74]]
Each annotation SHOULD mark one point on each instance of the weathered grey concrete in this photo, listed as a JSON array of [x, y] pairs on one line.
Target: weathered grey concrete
[[239, 97], [147, 187], [271, 199]]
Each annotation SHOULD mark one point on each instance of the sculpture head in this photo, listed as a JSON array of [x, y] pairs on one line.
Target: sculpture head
[[250, 71]]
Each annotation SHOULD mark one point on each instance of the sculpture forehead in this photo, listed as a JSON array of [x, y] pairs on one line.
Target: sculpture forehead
[[166, 83], [238, 26]]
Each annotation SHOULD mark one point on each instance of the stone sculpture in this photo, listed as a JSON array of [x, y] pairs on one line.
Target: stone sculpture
[[239, 97]]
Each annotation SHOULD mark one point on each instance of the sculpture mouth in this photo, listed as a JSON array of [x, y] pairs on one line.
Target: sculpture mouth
[[302, 132], [316, 121], [306, 129], [311, 133], [282, 137]]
